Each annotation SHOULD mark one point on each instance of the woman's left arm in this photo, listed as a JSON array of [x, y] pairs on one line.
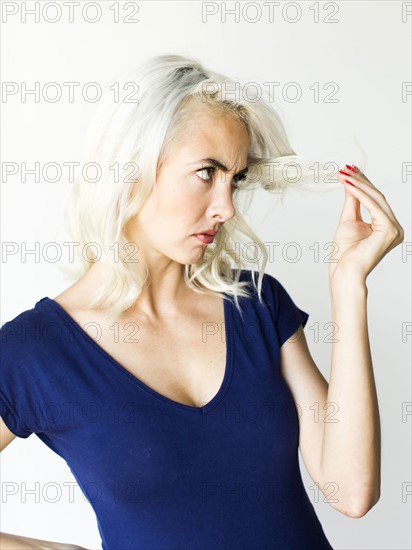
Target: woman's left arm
[[351, 447]]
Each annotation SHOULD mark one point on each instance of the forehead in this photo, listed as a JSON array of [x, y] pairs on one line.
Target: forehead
[[207, 132], [205, 119]]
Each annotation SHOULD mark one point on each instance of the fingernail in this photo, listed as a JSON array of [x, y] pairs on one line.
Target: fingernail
[[352, 168], [344, 173], [346, 181]]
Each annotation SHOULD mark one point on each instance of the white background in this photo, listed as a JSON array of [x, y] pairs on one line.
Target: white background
[[366, 52]]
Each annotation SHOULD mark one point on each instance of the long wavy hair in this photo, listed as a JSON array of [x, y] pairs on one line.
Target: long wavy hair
[[123, 151]]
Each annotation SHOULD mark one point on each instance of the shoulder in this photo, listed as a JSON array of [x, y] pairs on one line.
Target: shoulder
[[29, 337], [24, 327], [272, 290], [250, 275]]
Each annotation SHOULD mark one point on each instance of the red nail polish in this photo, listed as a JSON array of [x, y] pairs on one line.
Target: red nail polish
[[350, 183], [351, 168], [344, 173], [355, 168]]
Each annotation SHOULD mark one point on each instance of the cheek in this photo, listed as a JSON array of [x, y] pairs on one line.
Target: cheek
[[148, 212], [184, 196]]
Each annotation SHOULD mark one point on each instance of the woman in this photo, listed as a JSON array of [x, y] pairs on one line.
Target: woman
[[190, 405]]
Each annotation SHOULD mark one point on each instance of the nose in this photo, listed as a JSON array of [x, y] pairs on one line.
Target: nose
[[222, 208]]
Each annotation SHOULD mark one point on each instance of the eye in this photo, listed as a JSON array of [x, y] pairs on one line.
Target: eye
[[205, 170], [236, 179], [241, 177]]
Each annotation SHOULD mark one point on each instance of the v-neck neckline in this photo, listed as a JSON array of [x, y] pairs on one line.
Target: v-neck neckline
[[227, 308]]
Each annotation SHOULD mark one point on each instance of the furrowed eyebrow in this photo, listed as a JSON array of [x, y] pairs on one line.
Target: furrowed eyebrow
[[220, 165]]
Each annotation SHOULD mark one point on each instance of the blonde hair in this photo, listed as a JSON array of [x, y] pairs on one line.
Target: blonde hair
[[133, 135]]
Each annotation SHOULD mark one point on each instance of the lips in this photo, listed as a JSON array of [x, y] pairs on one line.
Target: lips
[[207, 232], [204, 238]]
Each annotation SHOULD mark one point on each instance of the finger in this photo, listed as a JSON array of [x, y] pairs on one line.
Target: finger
[[378, 215], [362, 182], [351, 207], [388, 208]]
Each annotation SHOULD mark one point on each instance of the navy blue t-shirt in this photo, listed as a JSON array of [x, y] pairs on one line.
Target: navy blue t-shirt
[[162, 475]]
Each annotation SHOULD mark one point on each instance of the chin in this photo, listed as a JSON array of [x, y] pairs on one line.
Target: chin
[[196, 256]]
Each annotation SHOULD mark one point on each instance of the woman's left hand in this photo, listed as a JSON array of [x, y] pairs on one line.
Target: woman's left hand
[[361, 245]]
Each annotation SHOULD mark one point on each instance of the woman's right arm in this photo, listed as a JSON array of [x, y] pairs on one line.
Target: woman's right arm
[[8, 541]]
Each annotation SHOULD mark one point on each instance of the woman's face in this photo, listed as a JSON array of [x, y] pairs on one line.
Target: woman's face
[[190, 195]]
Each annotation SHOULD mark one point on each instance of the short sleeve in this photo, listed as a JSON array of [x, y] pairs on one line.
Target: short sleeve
[[286, 315], [19, 376], [11, 419]]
